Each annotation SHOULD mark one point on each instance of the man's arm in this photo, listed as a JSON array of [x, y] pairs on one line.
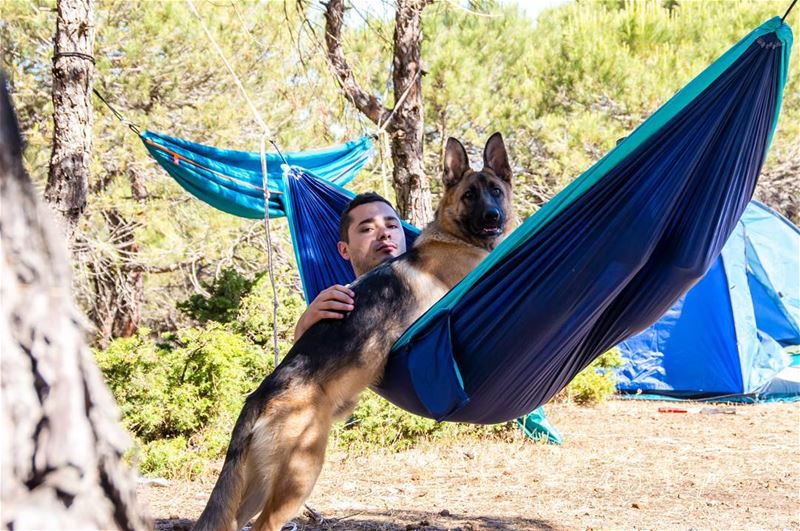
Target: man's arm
[[332, 303]]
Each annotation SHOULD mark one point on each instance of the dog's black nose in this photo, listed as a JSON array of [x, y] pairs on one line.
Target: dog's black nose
[[492, 215]]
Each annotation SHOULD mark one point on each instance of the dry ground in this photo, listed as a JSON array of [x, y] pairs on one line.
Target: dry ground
[[623, 465]]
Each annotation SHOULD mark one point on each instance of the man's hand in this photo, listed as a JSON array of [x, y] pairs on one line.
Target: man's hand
[[332, 303]]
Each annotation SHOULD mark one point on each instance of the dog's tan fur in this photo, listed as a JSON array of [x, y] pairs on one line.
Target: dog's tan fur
[[278, 445]]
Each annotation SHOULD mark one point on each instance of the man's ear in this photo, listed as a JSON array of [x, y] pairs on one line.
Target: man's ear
[[495, 157], [343, 250], [456, 162]]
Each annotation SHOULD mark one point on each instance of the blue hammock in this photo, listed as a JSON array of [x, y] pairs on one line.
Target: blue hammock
[[601, 261], [232, 181]]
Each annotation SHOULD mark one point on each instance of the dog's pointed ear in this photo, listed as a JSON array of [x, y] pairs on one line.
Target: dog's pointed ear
[[456, 162], [495, 157]]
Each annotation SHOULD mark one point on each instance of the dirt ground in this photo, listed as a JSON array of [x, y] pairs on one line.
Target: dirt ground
[[623, 465]]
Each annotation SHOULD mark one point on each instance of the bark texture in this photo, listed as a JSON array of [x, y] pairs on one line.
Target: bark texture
[[405, 122], [67, 182], [62, 444]]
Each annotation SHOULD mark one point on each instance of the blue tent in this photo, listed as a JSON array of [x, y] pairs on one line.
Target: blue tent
[[726, 336]]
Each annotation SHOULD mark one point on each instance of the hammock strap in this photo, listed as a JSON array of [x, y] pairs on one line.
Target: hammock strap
[[788, 11], [383, 143], [382, 126], [132, 126]]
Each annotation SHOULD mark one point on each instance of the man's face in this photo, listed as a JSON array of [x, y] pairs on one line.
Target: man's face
[[375, 235]]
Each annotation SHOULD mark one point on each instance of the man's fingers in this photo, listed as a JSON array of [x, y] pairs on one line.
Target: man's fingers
[[340, 293], [336, 305], [343, 289], [330, 315]]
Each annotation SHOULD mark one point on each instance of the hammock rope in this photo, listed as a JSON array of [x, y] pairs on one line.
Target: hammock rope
[[131, 125], [791, 6], [265, 135]]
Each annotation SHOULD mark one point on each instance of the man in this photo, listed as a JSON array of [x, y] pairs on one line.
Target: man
[[370, 233]]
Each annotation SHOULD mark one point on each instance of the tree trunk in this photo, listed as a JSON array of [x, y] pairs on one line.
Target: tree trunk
[[405, 123], [410, 182], [62, 444], [68, 179]]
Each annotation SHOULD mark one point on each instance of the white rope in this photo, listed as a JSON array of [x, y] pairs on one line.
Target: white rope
[[265, 135], [382, 126], [253, 109], [265, 184], [383, 139]]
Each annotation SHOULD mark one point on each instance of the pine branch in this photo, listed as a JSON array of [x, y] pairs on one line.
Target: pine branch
[[364, 102]]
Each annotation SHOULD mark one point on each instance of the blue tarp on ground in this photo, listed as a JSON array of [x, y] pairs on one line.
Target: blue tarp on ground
[[726, 336]]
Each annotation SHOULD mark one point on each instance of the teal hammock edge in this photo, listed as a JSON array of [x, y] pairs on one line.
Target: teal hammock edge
[[536, 426], [231, 180], [580, 185]]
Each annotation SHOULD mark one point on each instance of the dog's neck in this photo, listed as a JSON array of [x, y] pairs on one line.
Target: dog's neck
[[436, 248], [435, 233]]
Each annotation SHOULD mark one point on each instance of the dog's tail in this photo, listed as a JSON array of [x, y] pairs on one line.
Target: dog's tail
[[226, 498]]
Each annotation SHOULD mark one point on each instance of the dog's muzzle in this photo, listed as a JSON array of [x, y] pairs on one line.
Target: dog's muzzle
[[491, 223]]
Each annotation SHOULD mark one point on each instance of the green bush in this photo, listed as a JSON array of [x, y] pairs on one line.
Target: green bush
[[180, 393], [595, 383], [178, 385], [225, 293], [179, 396], [172, 458], [254, 319], [377, 423], [180, 399]]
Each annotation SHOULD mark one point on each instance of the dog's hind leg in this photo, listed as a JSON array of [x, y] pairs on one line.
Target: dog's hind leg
[[299, 452], [256, 488], [231, 486]]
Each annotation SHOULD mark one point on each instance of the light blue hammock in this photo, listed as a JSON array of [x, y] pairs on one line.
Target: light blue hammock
[[601, 261], [231, 181]]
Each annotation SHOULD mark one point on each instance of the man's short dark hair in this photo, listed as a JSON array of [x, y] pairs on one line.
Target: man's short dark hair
[[360, 199]]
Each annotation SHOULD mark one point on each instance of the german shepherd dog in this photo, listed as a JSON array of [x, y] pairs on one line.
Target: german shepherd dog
[[278, 444]]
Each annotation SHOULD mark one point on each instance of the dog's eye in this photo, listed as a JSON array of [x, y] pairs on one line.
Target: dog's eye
[[497, 192], [469, 195]]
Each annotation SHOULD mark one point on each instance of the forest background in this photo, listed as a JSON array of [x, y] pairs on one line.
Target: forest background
[[178, 292]]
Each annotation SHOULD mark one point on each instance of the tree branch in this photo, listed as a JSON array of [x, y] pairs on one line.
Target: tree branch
[[364, 102]]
